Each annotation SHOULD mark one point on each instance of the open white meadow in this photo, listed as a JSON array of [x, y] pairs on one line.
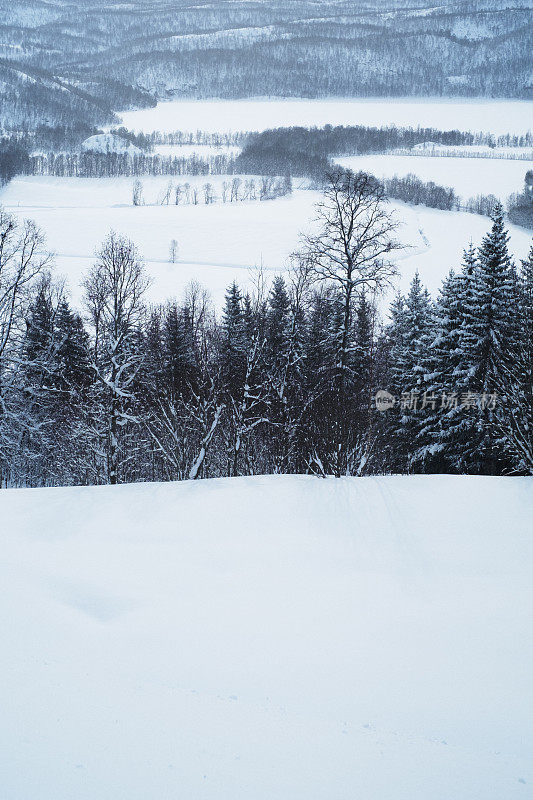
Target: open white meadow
[[268, 638], [470, 114], [468, 176], [220, 243], [200, 150]]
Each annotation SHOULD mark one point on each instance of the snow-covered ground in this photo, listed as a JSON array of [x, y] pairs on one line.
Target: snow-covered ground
[[472, 151], [220, 242], [491, 116], [268, 638], [109, 143], [200, 150], [468, 176]]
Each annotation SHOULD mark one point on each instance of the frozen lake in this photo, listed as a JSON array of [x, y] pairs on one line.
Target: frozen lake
[[494, 116]]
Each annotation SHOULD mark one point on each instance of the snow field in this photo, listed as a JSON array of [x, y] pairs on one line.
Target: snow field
[[269, 637], [200, 150], [467, 176], [219, 243], [472, 151], [471, 114]]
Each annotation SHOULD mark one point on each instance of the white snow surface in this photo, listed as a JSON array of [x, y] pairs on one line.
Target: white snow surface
[[220, 243], [109, 143], [256, 114], [274, 638], [473, 151], [200, 150], [468, 176]]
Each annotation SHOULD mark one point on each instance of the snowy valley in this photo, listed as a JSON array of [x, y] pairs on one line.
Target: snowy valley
[[266, 400]]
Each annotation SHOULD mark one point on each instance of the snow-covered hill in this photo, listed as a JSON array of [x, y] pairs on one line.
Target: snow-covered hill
[[281, 637], [109, 143]]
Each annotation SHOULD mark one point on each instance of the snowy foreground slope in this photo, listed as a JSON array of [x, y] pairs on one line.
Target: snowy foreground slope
[[282, 637]]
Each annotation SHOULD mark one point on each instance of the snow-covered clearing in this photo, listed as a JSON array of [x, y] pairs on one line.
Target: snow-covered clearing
[[473, 151], [268, 638], [200, 150], [109, 143], [468, 176], [221, 242], [491, 116]]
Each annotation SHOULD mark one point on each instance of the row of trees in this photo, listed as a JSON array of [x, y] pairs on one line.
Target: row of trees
[[411, 189], [304, 150], [265, 188], [112, 165], [286, 380], [520, 205], [14, 160]]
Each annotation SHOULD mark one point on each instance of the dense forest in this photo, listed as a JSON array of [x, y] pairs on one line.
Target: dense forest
[[80, 62], [303, 375], [306, 151]]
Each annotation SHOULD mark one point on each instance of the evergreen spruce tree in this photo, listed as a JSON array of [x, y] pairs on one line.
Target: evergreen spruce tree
[[233, 344], [178, 350], [38, 381], [410, 335], [72, 353], [72, 406], [489, 336], [363, 383], [283, 373], [447, 425], [318, 371], [277, 323], [516, 422], [442, 362]]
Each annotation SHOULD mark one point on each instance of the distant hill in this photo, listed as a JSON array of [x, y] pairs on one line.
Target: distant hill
[[82, 60], [109, 143]]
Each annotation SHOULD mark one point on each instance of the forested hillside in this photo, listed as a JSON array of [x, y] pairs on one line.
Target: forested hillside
[[289, 379], [79, 62]]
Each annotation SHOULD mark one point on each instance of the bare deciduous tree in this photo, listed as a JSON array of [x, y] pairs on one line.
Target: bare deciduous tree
[[235, 189], [353, 247], [352, 253], [137, 193], [114, 291], [173, 251], [209, 196], [167, 194], [23, 263]]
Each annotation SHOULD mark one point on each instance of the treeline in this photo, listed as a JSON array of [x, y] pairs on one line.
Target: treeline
[[33, 94], [296, 377], [411, 189], [14, 160], [111, 165], [264, 188], [51, 137], [228, 139], [305, 150], [520, 205]]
